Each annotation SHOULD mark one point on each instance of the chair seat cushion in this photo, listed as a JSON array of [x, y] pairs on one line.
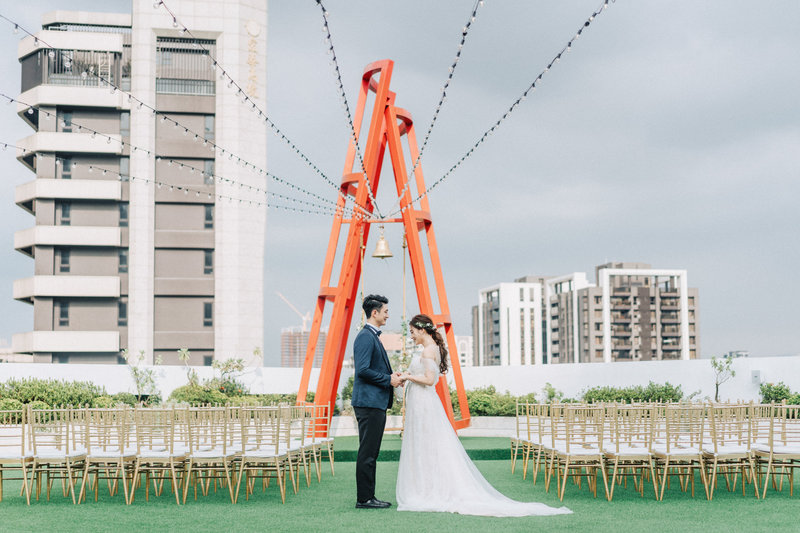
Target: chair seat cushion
[[626, 451], [112, 453], [727, 449], [212, 453], [674, 450], [59, 454], [790, 449]]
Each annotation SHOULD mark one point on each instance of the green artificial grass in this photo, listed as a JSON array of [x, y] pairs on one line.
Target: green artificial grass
[[329, 506], [478, 448]]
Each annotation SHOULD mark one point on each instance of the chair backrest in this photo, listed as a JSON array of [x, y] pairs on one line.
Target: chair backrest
[[263, 427], [155, 428], [785, 426], [685, 426], [14, 432], [730, 425], [632, 426], [208, 428], [583, 426], [107, 430], [317, 421], [56, 430]]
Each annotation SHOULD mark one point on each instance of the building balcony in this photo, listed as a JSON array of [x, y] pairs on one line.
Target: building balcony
[[66, 286], [72, 142], [71, 40], [620, 319], [620, 332], [65, 341], [60, 95], [670, 320], [25, 194], [184, 286], [26, 239]]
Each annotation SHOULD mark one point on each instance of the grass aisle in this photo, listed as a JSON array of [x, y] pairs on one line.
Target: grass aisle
[[330, 507]]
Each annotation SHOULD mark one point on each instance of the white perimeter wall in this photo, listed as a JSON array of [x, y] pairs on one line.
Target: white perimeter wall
[[571, 379]]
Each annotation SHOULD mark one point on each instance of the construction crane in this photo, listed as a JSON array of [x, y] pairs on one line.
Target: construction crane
[[305, 317]]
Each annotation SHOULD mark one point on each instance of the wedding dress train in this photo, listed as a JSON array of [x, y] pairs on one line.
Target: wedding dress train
[[435, 472]]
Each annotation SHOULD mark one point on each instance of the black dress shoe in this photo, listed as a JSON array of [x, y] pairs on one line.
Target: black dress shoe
[[372, 503]]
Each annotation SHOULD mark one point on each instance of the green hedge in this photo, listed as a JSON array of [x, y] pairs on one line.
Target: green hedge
[[653, 392], [51, 391], [778, 393]]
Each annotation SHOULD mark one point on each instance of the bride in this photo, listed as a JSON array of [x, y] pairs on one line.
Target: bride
[[435, 473]]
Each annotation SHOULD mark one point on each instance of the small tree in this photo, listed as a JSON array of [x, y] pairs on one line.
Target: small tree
[[723, 371], [191, 375], [144, 376]]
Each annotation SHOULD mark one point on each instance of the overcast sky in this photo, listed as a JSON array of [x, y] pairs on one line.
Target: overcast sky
[[669, 135]]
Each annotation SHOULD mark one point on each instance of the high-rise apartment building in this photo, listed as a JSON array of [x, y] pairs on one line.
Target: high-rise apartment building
[[509, 324], [294, 341], [132, 246], [633, 313]]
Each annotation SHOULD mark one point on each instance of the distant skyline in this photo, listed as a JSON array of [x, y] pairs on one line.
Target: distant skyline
[[669, 135]]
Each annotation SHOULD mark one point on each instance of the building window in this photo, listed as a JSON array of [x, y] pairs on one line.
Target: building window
[[123, 261], [208, 360], [63, 261], [208, 262], [63, 313], [125, 167], [125, 124], [66, 121], [122, 313], [66, 168], [208, 129], [65, 214], [209, 223], [208, 312], [123, 215], [208, 172]]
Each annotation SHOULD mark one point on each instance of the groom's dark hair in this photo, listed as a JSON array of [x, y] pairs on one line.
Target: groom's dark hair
[[373, 302]]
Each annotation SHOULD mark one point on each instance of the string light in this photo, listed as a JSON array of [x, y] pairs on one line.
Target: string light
[[246, 99], [442, 98], [211, 176], [345, 105], [176, 124], [532, 87]]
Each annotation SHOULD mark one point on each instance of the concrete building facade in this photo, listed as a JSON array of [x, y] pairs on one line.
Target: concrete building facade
[[633, 313], [124, 257]]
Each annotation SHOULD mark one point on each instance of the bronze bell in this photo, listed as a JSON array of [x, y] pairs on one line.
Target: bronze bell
[[382, 248]]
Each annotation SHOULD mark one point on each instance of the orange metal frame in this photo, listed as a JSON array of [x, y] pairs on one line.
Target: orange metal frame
[[388, 124]]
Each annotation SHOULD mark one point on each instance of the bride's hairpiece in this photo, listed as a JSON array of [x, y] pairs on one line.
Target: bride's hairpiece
[[423, 325]]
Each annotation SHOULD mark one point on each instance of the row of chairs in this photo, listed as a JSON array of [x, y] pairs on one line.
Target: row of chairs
[[189, 447], [659, 442]]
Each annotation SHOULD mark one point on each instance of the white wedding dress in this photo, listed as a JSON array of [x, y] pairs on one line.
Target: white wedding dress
[[435, 473]]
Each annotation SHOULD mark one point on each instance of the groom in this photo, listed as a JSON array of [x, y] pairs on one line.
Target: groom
[[372, 396]]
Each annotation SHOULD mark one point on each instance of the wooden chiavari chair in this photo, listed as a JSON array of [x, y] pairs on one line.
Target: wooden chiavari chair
[[682, 447], [158, 453], [210, 455], [109, 454], [782, 448], [581, 452], [520, 418], [729, 448], [265, 432], [627, 445], [15, 450], [58, 453]]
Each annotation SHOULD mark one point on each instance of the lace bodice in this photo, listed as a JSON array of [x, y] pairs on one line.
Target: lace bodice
[[424, 366]]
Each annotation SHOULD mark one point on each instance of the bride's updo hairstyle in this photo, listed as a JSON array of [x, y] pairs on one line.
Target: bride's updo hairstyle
[[424, 322]]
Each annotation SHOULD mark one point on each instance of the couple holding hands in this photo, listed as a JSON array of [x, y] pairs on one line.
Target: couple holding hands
[[435, 473]]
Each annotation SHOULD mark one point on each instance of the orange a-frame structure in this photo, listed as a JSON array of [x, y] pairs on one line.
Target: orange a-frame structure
[[386, 127]]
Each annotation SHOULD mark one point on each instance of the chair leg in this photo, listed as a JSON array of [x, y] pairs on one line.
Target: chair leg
[[610, 491], [186, 481], [713, 484], [563, 485]]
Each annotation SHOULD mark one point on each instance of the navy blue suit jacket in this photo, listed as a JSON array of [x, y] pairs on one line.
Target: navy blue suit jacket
[[372, 385]]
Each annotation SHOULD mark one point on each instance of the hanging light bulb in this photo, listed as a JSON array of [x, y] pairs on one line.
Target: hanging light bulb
[[382, 248]]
